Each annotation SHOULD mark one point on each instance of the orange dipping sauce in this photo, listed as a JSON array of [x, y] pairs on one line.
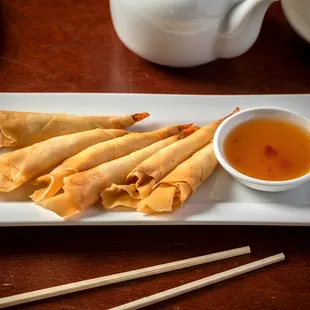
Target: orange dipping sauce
[[269, 149]]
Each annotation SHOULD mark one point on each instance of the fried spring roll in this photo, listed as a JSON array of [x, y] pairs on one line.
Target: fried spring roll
[[181, 183], [141, 179], [21, 129], [83, 189], [98, 154], [20, 166], [127, 195]]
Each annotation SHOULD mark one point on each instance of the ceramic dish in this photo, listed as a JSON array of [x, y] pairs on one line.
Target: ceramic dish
[[273, 113], [297, 13], [220, 200]]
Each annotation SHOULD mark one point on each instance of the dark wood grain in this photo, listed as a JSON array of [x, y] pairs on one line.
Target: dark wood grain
[[66, 45], [34, 258]]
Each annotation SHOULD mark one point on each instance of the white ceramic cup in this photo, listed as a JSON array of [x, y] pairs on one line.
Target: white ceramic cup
[[297, 13], [230, 123]]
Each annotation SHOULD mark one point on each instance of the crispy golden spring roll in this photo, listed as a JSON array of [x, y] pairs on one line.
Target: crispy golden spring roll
[[98, 154], [20, 129], [127, 195], [141, 180], [181, 183], [18, 167], [83, 189]]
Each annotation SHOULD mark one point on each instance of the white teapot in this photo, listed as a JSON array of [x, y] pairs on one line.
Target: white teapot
[[188, 33]]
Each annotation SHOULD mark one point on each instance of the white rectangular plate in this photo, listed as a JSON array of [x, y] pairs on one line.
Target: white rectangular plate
[[220, 200]]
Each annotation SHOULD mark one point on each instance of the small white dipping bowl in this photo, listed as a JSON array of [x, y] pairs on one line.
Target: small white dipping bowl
[[230, 123]]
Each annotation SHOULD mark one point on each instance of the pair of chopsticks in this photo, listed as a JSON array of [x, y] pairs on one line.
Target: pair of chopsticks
[[145, 272]]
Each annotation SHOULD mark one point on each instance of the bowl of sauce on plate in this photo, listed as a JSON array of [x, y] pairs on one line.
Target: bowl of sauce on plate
[[265, 148], [269, 149]]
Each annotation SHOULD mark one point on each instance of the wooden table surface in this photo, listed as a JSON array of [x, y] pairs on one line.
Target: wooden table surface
[[70, 46]]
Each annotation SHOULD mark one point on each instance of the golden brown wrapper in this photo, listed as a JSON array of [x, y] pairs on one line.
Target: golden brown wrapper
[[141, 180], [21, 129], [20, 166], [83, 189], [127, 195], [97, 155], [181, 183]]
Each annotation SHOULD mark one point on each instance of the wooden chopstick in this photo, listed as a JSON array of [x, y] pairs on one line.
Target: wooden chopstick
[[119, 277], [150, 300]]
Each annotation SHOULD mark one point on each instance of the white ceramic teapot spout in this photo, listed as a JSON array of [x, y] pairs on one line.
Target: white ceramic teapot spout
[[241, 27]]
